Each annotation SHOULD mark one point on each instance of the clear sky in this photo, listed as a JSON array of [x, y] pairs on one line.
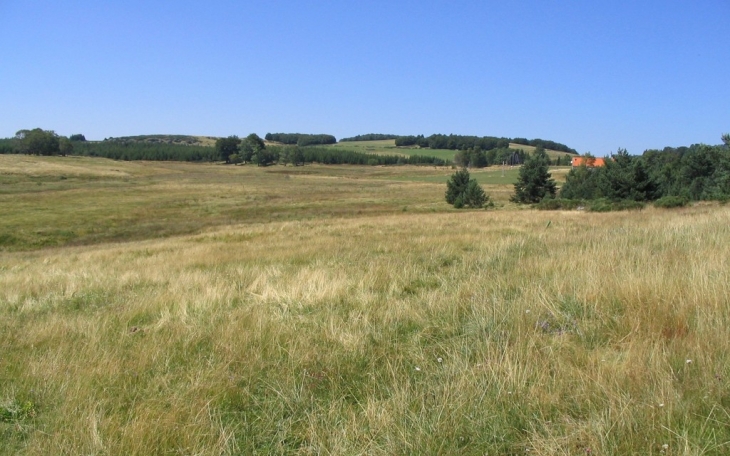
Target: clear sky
[[596, 76]]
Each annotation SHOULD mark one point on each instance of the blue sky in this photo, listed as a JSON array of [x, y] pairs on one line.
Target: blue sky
[[593, 75]]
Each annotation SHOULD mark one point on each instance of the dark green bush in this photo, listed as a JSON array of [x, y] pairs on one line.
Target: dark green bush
[[557, 204]]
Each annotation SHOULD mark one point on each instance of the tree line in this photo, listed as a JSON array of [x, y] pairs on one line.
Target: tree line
[[370, 137], [329, 156], [485, 143], [552, 145], [301, 139], [698, 172], [128, 151], [453, 142]]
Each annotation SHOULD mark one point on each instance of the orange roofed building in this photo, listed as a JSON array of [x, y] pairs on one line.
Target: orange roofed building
[[589, 162]]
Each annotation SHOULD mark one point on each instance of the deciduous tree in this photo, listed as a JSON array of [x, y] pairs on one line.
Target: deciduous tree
[[227, 147], [251, 148], [37, 142]]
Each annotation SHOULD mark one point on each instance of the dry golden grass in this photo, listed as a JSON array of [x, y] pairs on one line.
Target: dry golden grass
[[385, 332]]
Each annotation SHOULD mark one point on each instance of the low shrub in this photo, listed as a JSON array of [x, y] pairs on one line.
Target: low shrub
[[556, 204], [671, 201]]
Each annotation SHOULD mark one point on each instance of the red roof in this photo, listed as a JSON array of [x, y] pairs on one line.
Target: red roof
[[589, 162]]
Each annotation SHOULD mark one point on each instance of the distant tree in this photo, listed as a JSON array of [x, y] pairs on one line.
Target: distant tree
[[456, 186], [462, 191], [726, 139], [534, 182], [265, 157], [65, 146], [227, 147], [301, 139], [77, 137], [37, 142], [461, 159], [296, 157], [477, 158], [251, 147], [7, 146]]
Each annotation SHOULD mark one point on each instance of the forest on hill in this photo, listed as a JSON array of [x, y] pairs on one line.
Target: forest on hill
[[485, 143]]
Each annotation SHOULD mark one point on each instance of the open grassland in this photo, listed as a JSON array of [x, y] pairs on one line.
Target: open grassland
[[331, 331], [61, 200]]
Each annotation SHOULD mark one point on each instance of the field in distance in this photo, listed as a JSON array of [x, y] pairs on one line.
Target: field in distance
[[220, 310], [388, 147], [56, 201]]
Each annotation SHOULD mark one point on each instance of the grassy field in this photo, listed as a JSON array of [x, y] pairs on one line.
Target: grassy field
[[208, 310], [60, 201], [387, 147]]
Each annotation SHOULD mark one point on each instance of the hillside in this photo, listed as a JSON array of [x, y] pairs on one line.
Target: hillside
[[388, 147]]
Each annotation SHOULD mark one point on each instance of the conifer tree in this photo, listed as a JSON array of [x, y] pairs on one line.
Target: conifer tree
[[534, 182], [462, 191]]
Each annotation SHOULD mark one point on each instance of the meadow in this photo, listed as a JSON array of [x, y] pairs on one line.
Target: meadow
[[177, 308]]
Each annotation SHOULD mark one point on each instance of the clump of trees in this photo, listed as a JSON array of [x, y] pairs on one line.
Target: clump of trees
[[545, 144], [698, 172], [463, 191], [301, 139], [671, 177], [252, 149], [38, 142]]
